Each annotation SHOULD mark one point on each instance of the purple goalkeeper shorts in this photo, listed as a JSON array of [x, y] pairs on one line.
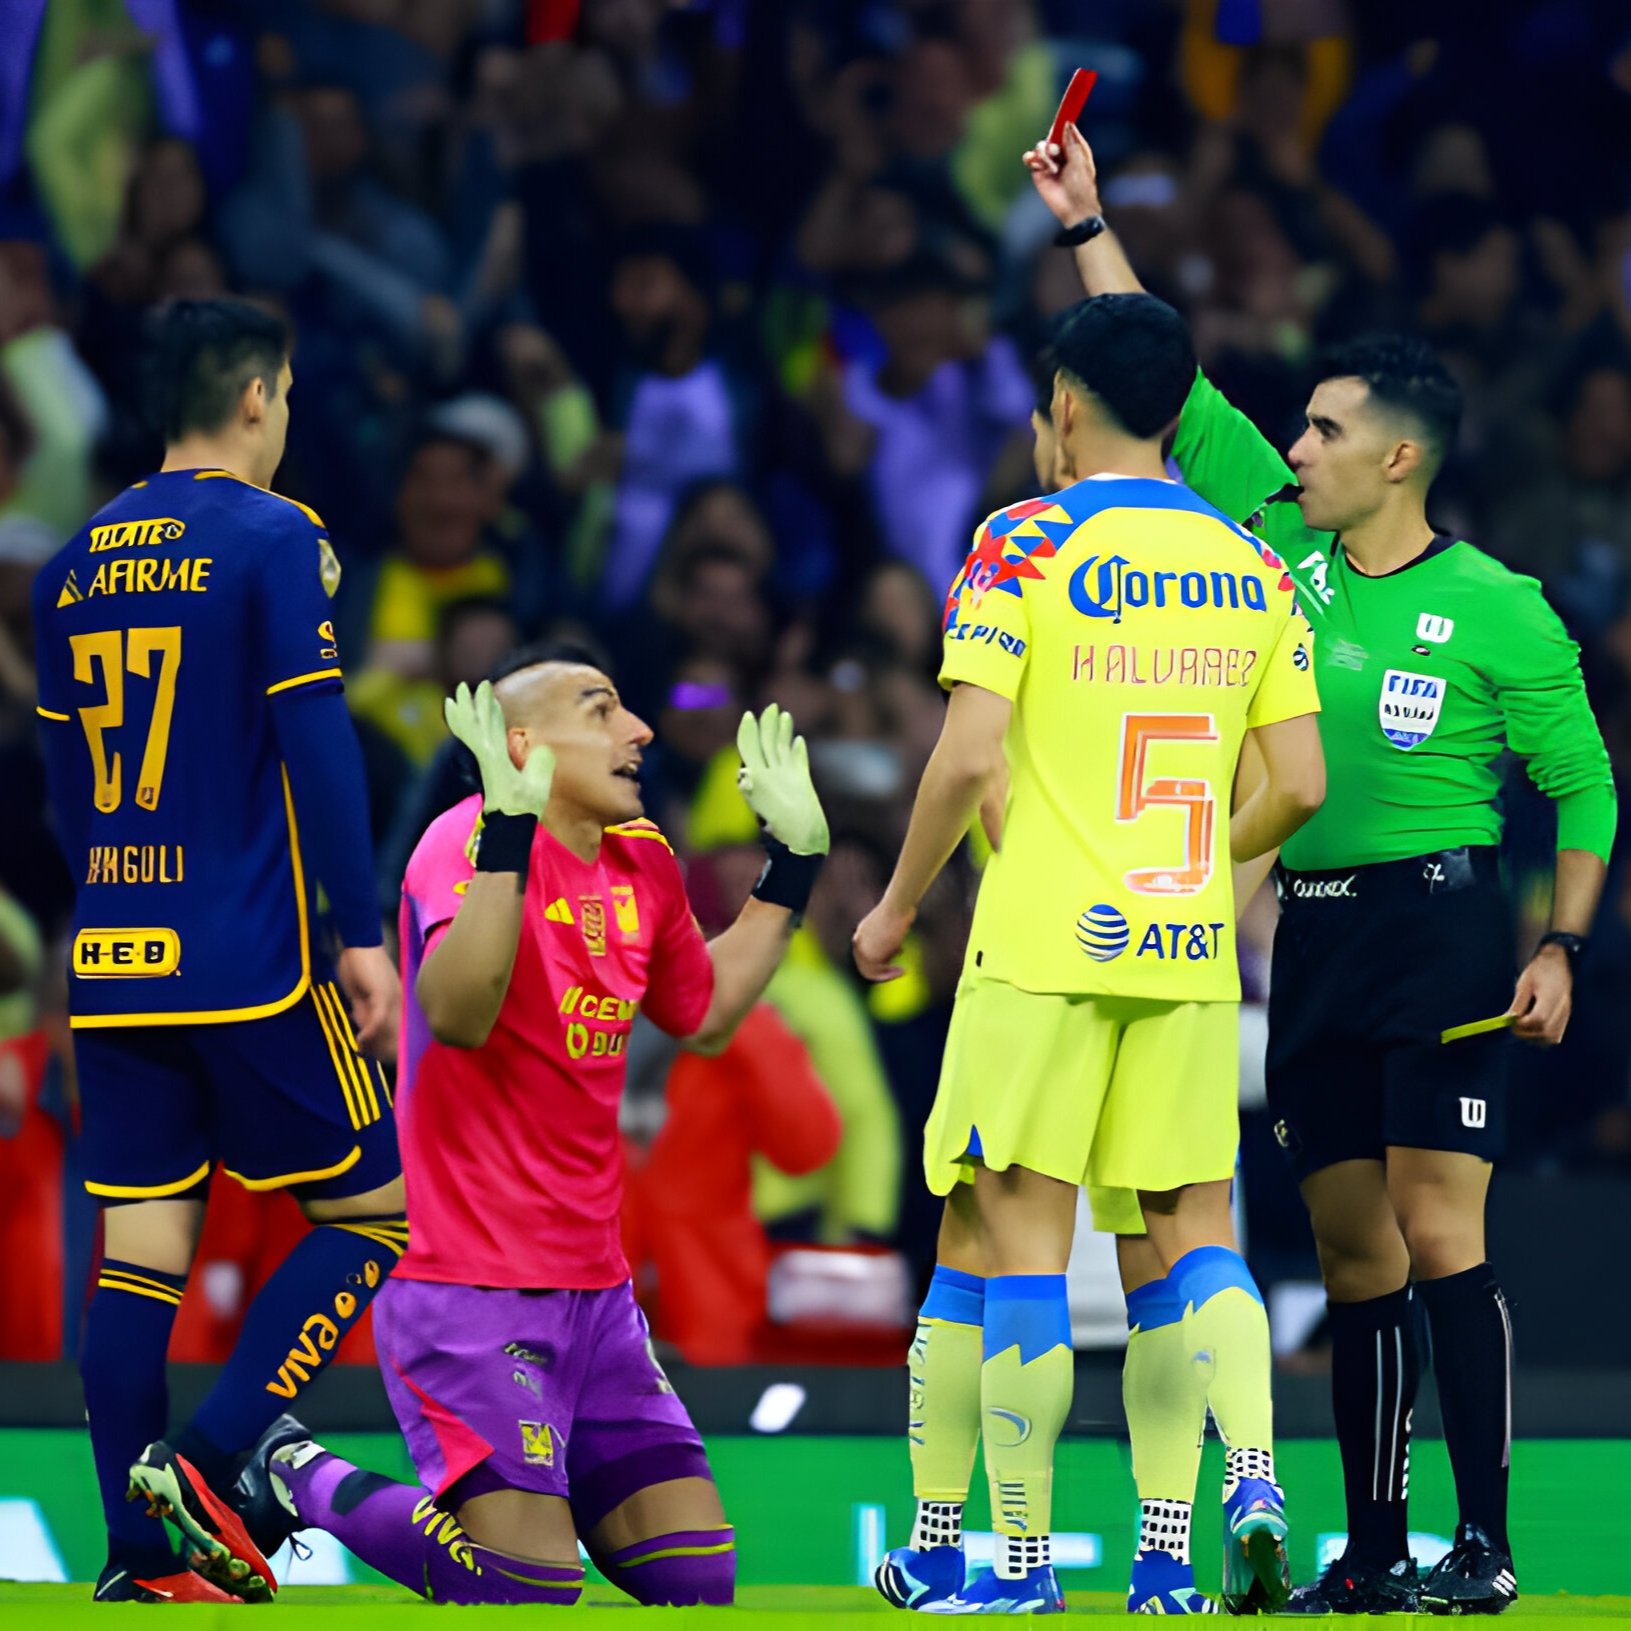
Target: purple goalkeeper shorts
[[556, 1392]]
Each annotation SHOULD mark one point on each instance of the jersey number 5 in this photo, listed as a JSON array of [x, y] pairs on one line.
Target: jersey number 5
[[1192, 795], [113, 652]]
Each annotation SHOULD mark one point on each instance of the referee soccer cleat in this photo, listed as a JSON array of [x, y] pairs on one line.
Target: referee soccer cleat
[[1163, 1585], [1358, 1588], [1473, 1577], [117, 1584], [1036, 1592], [257, 1500], [907, 1578], [1256, 1575], [217, 1543]]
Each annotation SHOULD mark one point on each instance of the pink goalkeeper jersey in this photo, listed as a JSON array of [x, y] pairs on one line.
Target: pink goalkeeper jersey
[[510, 1151]]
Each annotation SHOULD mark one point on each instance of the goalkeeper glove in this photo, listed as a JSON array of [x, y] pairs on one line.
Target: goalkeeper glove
[[775, 780]]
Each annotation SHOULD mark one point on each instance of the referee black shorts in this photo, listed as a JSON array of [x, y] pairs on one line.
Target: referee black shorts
[[1372, 964]]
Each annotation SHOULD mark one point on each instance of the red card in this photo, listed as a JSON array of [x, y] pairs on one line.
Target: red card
[[1070, 109]]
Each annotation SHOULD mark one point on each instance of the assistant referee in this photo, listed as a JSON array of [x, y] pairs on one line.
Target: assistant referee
[[1433, 661]]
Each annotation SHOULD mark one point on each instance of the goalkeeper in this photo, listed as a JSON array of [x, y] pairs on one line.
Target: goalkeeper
[[536, 920]]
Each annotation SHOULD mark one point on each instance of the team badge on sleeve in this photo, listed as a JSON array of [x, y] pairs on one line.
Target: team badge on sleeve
[[328, 567]]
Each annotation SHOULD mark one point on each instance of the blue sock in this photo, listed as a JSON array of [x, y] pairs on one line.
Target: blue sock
[[127, 1335], [290, 1334]]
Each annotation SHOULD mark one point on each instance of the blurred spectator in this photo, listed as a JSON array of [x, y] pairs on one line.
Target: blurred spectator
[[472, 635], [683, 412], [441, 554], [947, 406]]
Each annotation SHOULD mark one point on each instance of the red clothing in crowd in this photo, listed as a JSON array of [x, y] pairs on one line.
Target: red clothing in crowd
[[700, 1257]]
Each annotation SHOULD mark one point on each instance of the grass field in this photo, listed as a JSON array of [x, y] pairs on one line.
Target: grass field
[[776, 1608]]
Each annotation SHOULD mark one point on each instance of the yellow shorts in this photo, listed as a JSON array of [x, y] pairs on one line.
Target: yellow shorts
[[1115, 1093]]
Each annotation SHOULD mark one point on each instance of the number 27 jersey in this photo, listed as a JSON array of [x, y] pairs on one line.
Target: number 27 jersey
[[1139, 634], [164, 631]]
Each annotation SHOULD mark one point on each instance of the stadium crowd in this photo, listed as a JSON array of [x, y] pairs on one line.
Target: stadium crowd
[[702, 333]]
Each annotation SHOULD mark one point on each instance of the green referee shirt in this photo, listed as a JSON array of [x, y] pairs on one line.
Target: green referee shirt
[[1426, 675]]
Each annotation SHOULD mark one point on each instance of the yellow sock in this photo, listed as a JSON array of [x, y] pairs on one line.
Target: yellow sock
[[1026, 1383], [1227, 1327], [1164, 1392], [943, 1423]]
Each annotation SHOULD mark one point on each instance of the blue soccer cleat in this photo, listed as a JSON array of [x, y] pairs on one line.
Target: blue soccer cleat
[[907, 1578], [1256, 1575], [1163, 1585], [1034, 1593]]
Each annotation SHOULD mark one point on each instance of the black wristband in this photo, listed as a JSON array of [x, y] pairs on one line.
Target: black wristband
[[1083, 232], [1574, 946], [786, 879], [505, 843]]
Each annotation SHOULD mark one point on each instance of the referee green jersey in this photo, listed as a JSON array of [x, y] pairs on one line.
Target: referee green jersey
[[1426, 674]]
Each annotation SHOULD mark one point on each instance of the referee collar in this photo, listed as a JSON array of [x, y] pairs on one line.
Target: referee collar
[[1440, 542]]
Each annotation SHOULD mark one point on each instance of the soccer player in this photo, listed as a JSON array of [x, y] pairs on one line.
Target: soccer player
[[1112, 644], [1395, 939], [205, 779], [1163, 1392], [536, 919]]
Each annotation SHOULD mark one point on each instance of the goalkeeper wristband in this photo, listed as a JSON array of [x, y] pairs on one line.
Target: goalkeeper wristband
[[786, 879], [505, 844]]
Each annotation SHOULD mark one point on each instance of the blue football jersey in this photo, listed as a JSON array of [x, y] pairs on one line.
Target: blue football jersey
[[163, 631]]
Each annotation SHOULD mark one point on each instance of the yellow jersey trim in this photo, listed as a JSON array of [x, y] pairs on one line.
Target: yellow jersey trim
[[226, 475], [347, 1088], [641, 829], [140, 1280], [299, 1177], [219, 1016], [358, 1094], [303, 679], [396, 1244], [47, 713], [148, 1192], [359, 1062], [139, 1291]]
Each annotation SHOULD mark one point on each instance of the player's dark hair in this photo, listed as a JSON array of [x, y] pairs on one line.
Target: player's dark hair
[[201, 354], [579, 653], [1134, 353], [1406, 380]]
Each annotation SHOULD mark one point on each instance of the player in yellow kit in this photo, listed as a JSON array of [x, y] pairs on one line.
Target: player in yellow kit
[[1113, 644]]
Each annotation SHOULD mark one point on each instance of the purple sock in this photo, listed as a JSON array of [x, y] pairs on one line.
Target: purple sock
[[399, 1530], [688, 1566]]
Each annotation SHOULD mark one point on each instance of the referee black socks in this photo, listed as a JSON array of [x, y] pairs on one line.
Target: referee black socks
[[1375, 1370], [1472, 1362]]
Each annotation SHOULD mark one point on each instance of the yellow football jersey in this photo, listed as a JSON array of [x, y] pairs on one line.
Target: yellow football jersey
[[1139, 633]]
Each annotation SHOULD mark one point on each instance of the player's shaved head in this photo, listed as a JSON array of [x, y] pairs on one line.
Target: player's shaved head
[[533, 696], [558, 695]]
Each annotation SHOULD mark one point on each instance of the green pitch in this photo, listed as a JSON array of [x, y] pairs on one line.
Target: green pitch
[[774, 1608]]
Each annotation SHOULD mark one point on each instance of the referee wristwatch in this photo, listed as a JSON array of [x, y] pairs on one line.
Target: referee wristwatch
[[1574, 946], [1083, 232]]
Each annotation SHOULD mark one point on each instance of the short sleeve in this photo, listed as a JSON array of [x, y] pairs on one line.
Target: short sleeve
[[1286, 688], [439, 874], [681, 982], [297, 575], [987, 633]]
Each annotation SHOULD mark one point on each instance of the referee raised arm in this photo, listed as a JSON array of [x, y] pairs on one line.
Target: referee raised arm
[[1394, 941]]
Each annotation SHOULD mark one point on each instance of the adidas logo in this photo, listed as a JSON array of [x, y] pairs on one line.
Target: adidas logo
[[71, 592], [558, 911]]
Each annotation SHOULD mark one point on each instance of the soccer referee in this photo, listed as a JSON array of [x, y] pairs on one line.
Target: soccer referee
[[1433, 661]]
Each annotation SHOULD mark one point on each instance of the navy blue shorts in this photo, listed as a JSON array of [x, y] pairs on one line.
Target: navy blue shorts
[[284, 1102]]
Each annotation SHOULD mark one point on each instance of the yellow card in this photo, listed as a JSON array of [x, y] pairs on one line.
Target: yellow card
[[1477, 1027]]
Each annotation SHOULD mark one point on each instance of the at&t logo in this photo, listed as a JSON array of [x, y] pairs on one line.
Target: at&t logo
[[1102, 932]]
